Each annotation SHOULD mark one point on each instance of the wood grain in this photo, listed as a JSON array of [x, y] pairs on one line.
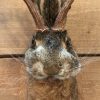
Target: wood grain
[[83, 26], [12, 80], [17, 26], [89, 80]]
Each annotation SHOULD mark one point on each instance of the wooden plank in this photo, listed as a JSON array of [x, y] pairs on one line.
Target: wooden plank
[[17, 26], [89, 80], [83, 26], [13, 80]]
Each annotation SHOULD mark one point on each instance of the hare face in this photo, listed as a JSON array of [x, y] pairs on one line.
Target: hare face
[[49, 57]]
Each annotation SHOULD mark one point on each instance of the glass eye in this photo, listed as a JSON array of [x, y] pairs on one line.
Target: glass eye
[[39, 35]]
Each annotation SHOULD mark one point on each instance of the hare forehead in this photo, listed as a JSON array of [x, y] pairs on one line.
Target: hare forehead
[[44, 55]]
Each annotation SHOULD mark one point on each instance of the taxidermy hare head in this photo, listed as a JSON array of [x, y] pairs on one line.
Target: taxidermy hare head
[[51, 53]]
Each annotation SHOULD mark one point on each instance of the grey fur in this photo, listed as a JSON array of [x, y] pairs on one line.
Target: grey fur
[[39, 58]]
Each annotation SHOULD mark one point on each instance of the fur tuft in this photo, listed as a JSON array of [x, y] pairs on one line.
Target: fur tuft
[[49, 10]]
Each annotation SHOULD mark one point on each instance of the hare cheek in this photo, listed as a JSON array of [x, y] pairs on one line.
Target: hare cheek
[[37, 67], [37, 71]]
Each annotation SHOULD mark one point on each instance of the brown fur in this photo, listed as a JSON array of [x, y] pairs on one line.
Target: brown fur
[[50, 89]]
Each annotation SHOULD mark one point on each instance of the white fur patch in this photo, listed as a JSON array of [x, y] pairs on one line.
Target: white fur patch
[[65, 55]]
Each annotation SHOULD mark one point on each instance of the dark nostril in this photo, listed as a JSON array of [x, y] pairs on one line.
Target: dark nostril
[[49, 41]]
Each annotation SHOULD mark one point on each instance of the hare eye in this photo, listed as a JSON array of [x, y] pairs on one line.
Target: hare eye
[[39, 35]]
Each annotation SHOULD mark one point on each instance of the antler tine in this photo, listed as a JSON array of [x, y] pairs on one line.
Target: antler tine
[[61, 18], [35, 13]]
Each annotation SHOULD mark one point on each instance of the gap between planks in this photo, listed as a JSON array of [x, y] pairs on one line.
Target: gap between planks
[[22, 55]]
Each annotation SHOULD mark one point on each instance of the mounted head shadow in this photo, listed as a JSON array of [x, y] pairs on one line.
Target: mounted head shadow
[[51, 53]]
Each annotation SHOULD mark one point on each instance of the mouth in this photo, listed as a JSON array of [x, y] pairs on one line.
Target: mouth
[[51, 71]]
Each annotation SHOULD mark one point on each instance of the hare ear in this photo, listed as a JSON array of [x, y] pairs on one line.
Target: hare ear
[[62, 16], [36, 15]]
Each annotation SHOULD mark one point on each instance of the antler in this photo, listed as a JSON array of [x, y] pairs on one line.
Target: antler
[[36, 15], [61, 18]]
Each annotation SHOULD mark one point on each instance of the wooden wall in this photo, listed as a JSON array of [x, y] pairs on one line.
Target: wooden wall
[[16, 30]]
